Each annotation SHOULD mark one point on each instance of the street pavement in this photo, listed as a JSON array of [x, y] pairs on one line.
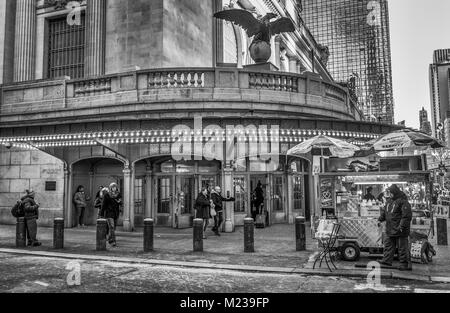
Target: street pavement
[[51, 275], [274, 253]]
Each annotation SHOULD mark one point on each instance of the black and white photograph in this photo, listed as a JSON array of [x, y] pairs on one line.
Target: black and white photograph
[[224, 152]]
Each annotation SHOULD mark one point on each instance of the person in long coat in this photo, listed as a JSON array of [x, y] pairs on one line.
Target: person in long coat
[[203, 209], [398, 216]]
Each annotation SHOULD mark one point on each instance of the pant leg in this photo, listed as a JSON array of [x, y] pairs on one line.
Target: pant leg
[[205, 224], [31, 226], [27, 232], [81, 220], [404, 253], [216, 222], [390, 244], [220, 220], [111, 231]]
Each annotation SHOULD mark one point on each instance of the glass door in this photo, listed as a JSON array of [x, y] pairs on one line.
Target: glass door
[[139, 201], [279, 208], [163, 199], [255, 180], [184, 210]]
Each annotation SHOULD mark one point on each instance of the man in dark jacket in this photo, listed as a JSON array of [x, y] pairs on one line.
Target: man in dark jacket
[[218, 200], [31, 210], [398, 216], [110, 212]]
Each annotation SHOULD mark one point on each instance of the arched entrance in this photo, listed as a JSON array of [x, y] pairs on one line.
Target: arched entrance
[[165, 190], [91, 174]]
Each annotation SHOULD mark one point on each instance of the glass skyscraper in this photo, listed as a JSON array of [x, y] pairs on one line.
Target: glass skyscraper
[[356, 33]]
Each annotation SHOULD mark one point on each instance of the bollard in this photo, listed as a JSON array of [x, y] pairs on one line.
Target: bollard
[[148, 235], [441, 230], [102, 230], [21, 235], [249, 235], [198, 235], [300, 233], [58, 233]]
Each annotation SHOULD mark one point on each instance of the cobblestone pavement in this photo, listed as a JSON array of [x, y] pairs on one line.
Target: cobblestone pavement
[[26, 274]]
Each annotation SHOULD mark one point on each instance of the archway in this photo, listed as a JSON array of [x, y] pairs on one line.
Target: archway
[[91, 173]]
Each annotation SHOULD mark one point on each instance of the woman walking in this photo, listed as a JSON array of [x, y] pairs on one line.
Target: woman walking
[[203, 209]]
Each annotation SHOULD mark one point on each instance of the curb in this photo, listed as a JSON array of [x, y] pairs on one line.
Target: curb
[[232, 267]]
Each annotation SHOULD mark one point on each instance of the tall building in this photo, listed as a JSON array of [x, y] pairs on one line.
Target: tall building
[[356, 33], [440, 87], [425, 125]]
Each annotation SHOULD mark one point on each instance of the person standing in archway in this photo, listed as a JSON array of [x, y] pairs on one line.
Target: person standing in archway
[[80, 200]]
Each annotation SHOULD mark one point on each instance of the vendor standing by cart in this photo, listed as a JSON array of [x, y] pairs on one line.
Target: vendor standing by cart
[[398, 216]]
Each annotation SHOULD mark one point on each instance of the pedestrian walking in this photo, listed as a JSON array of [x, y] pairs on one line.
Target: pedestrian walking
[[80, 200], [203, 209], [217, 199], [109, 211], [257, 200], [31, 210], [117, 196], [398, 216]]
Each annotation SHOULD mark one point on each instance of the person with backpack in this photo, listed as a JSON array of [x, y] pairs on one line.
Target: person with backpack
[[217, 199], [80, 200], [31, 215]]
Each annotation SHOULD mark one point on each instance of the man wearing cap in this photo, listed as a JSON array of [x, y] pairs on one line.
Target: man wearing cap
[[31, 209], [398, 216]]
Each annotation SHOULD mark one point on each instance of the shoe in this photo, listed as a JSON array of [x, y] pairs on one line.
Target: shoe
[[204, 237], [404, 268], [29, 244], [217, 233], [37, 244]]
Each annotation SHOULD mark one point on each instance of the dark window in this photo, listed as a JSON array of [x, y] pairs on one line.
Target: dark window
[[66, 48], [50, 186]]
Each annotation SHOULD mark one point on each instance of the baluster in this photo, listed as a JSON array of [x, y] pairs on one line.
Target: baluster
[[172, 80], [258, 82], [151, 80], [192, 74], [185, 79], [158, 77], [271, 80], [200, 79]]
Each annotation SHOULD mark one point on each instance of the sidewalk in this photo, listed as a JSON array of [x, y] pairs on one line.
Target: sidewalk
[[274, 252]]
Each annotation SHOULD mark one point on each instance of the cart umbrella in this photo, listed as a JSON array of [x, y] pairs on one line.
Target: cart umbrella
[[406, 139], [336, 147]]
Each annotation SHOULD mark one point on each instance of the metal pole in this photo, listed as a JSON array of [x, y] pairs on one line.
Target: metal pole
[[58, 233], [300, 233], [102, 230], [21, 236], [148, 235], [249, 235], [198, 235]]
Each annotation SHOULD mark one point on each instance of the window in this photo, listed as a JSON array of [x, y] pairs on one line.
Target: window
[[240, 194], [66, 48], [139, 196]]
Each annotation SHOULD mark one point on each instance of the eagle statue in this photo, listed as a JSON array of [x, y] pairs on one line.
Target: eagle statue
[[261, 30]]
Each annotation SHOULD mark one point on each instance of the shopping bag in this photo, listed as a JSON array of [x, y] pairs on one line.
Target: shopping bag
[[260, 221]]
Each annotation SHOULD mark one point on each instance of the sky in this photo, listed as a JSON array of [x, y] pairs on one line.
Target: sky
[[417, 29]]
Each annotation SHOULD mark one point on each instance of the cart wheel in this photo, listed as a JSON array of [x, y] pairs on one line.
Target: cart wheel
[[350, 252]]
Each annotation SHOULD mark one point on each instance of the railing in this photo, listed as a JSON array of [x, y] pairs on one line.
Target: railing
[[146, 86]]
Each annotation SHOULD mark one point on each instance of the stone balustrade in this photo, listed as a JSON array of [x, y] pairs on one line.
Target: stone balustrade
[[227, 90]]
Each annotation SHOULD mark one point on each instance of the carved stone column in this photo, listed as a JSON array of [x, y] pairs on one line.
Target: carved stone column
[[25, 47], [127, 226], [229, 206], [95, 38], [292, 63], [148, 193], [68, 181]]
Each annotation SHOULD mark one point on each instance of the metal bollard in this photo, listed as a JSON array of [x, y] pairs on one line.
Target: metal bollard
[[58, 233], [102, 230], [441, 230], [198, 235], [148, 235], [300, 233], [21, 235], [249, 235]]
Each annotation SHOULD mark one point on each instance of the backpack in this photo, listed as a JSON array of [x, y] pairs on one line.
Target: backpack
[[17, 210]]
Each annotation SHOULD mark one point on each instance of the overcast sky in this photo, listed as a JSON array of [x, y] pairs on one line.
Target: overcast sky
[[417, 29]]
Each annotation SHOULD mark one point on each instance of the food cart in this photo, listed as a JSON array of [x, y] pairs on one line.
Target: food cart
[[351, 191]]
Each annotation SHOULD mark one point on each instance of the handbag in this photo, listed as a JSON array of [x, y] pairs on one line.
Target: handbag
[[213, 210]]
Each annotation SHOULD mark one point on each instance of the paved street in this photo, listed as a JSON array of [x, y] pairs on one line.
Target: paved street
[[22, 274]]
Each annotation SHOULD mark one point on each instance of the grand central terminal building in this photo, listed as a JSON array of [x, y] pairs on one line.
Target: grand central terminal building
[[163, 99]]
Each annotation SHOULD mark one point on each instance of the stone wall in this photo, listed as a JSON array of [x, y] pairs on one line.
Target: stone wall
[[188, 33], [24, 169], [7, 26]]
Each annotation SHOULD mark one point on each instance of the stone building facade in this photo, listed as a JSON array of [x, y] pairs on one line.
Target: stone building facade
[[142, 92]]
